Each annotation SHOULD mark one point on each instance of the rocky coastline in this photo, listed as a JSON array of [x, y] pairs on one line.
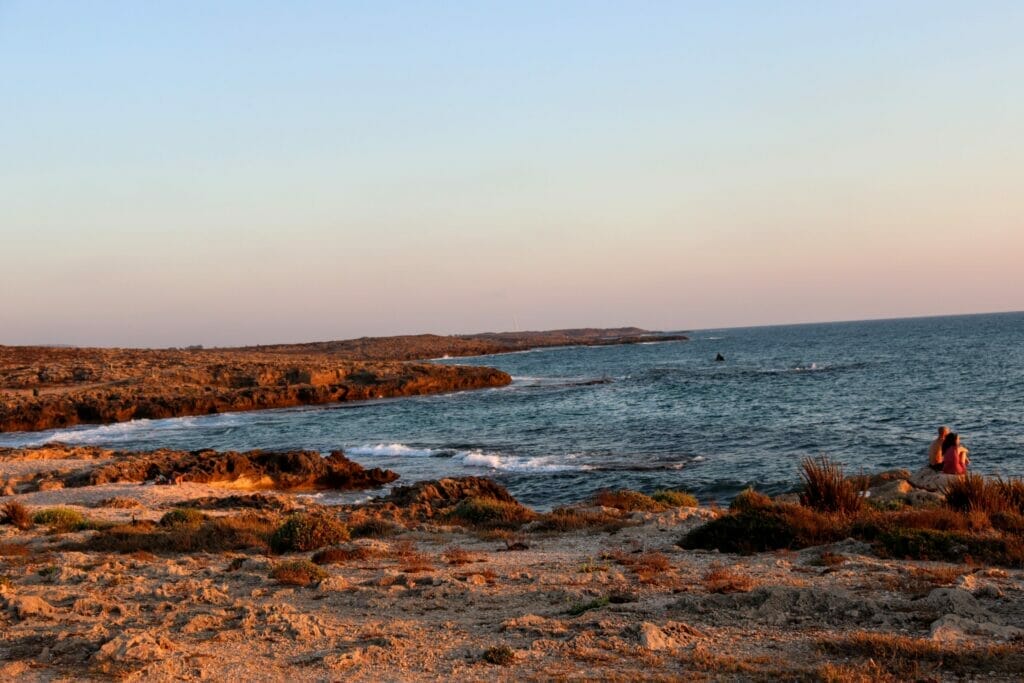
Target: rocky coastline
[[55, 387]]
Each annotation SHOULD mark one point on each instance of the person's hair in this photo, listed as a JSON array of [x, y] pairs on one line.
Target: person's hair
[[943, 430], [950, 440]]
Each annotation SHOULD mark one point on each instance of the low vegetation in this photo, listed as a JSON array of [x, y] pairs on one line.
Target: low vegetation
[[457, 556], [182, 517], [910, 658], [581, 607], [298, 573], [17, 515], [826, 488], [980, 522], [563, 520], [236, 532], [13, 550], [61, 520], [303, 532], [721, 579], [489, 513], [375, 528], [341, 555], [749, 500], [629, 501], [500, 655], [676, 499]]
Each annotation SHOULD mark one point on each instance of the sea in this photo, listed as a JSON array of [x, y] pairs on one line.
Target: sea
[[664, 414]]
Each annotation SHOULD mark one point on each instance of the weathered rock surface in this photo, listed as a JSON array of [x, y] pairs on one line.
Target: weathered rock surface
[[928, 479]]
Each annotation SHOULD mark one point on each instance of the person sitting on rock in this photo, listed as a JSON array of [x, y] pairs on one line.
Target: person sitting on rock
[[935, 450], [954, 456]]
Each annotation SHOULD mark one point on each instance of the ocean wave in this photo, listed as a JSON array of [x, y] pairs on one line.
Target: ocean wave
[[97, 434], [384, 449], [474, 458], [512, 463]]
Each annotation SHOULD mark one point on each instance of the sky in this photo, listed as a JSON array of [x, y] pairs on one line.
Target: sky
[[190, 172]]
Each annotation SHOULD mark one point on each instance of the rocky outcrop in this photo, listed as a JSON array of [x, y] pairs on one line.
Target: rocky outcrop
[[249, 470], [40, 389]]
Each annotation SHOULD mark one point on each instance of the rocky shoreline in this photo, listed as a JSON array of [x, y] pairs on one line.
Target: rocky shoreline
[[187, 568], [54, 387]]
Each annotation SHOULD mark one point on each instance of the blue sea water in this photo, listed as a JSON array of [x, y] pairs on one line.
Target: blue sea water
[[579, 419]]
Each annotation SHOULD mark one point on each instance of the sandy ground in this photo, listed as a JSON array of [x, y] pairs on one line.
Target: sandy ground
[[656, 612]]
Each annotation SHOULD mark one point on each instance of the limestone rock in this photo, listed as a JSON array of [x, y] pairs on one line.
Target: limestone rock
[[25, 606], [928, 479], [142, 646], [653, 638]]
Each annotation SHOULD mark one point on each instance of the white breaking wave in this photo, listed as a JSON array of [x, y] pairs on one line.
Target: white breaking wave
[[474, 458], [511, 463], [99, 434], [390, 449]]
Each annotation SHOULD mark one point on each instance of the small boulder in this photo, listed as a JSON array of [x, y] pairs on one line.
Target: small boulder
[[25, 606], [928, 479], [653, 638]]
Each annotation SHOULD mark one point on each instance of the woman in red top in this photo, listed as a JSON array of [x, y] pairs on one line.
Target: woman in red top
[[954, 456]]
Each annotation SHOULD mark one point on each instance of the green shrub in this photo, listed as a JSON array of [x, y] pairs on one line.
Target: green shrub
[[182, 517], [580, 608], [950, 546], [630, 501], [61, 520], [298, 573], [826, 489], [777, 528], [748, 499], [375, 528], [676, 499], [302, 532], [490, 513]]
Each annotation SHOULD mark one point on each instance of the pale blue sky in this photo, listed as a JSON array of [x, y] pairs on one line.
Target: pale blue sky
[[241, 172]]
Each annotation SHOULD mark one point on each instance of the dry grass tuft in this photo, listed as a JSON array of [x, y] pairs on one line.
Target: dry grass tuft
[[338, 555], [13, 550], [915, 658], [564, 520], [455, 555], [17, 515], [298, 573], [119, 503], [414, 563], [500, 655], [973, 492], [721, 579], [750, 500], [826, 489]]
